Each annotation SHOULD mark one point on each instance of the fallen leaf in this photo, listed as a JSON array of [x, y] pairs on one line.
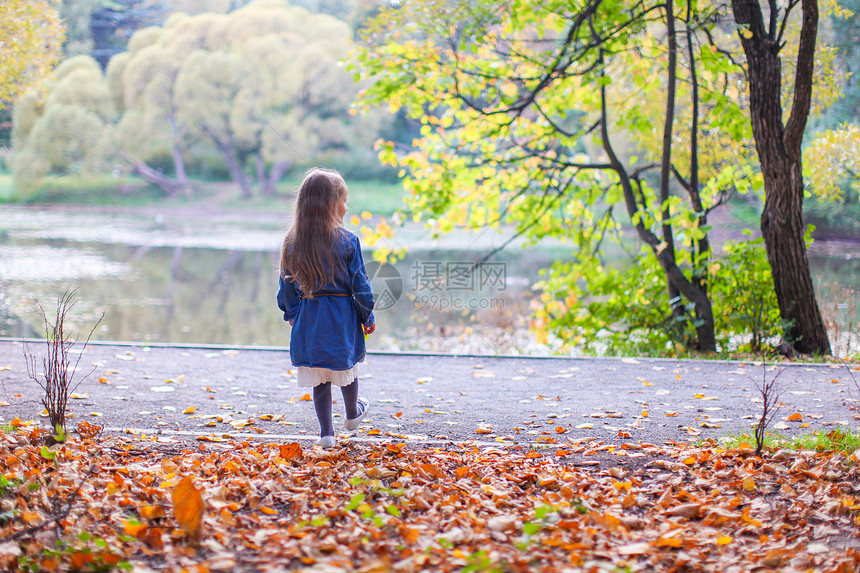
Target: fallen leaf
[[188, 507], [290, 451]]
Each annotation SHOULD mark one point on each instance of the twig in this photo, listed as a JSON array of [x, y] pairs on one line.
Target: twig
[[770, 406]]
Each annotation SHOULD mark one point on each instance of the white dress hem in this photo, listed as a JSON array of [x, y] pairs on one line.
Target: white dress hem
[[309, 376]]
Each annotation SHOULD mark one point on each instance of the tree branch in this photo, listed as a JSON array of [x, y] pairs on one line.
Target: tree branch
[[796, 123]]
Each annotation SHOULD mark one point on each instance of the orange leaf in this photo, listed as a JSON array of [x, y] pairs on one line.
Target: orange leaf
[[796, 417], [290, 451], [724, 540], [134, 529], [560, 430], [152, 537], [268, 510], [79, 559], [670, 540], [373, 432], [409, 534], [306, 398], [152, 511], [188, 507]]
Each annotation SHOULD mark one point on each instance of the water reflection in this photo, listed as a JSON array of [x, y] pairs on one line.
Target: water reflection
[[177, 281]]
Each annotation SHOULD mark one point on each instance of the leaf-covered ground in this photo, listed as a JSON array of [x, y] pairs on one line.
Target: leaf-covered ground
[[98, 503]]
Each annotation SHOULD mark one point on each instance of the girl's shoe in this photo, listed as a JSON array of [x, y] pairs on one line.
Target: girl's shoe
[[353, 423], [327, 442]]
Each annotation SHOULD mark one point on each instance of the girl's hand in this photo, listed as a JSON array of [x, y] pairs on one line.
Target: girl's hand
[[369, 329]]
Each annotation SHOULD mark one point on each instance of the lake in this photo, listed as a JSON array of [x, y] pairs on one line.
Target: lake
[[210, 277]]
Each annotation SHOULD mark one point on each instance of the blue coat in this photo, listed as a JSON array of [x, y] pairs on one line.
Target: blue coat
[[327, 330]]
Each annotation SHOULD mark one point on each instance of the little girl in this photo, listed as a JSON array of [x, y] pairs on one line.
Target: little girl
[[326, 297]]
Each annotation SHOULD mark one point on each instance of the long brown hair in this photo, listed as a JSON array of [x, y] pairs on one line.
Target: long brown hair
[[307, 253]]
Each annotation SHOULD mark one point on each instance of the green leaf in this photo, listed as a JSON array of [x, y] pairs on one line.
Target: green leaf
[[393, 510], [355, 501]]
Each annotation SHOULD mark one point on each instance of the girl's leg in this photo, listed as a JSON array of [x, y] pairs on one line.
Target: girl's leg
[[356, 408], [322, 405], [350, 399]]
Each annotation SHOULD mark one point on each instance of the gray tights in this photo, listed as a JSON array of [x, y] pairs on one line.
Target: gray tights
[[322, 404]]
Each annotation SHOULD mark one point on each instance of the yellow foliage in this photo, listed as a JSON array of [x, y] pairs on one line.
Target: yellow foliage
[[31, 34], [831, 158]]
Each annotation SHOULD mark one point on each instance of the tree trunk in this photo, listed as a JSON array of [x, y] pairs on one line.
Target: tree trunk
[[779, 153], [275, 173], [702, 252], [261, 173], [170, 186], [678, 311], [227, 149], [178, 161], [705, 328]]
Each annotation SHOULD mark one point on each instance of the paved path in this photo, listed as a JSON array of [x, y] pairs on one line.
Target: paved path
[[185, 393]]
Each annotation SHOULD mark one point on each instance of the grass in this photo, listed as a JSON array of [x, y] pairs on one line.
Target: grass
[[379, 198], [7, 188], [841, 439]]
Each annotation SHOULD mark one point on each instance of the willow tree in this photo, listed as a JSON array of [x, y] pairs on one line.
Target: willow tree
[[63, 127], [262, 86], [543, 115]]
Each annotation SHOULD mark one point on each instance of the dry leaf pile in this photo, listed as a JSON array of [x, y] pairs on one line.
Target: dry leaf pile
[[389, 507]]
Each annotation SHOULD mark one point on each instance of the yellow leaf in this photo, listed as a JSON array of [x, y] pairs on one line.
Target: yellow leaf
[[698, 396], [188, 507], [189, 410], [748, 484], [724, 540]]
